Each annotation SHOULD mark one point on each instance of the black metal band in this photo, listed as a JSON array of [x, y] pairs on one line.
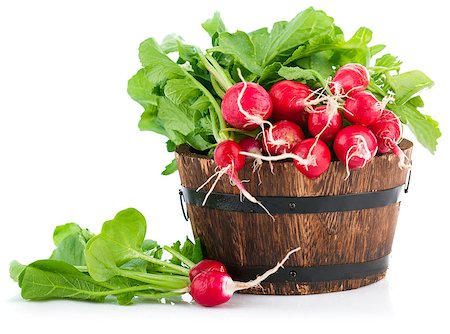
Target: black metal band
[[313, 274], [295, 205]]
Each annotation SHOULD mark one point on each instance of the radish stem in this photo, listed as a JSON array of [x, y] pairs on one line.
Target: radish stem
[[179, 256]]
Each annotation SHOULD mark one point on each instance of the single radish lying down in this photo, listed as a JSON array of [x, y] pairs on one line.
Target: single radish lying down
[[388, 131], [246, 106], [355, 146], [206, 266], [282, 137], [212, 288], [228, 159], [324, 122], [289, 100], [350, 78]]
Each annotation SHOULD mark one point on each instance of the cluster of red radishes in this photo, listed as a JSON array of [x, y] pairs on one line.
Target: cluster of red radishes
[[211, 285], [290, 109]]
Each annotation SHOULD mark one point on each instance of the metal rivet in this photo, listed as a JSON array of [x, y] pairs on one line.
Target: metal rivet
[[293, 273], [292, 205]]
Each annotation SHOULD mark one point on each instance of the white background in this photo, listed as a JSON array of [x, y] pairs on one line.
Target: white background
[[71, 151]]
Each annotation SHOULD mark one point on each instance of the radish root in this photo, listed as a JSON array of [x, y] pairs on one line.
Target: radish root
[[218, 175], [361, 150], [257, 281]]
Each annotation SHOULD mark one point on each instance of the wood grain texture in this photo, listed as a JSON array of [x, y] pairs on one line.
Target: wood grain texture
[[252, 239]]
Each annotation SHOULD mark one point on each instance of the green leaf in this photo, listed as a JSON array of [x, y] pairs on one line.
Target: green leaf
[[407, 84], [376, 49], [240, 46], [270, 75], [180, 91], [388, 61], [141, 89], [170, 168], [63, 231], [192, 250], [70, 240], [286, 36], [309, 76], [125, 233], [148, 245], [170, 43], [50, 279], [15, 270], [423, 126], [214, 26], [297, 73], [170, 146], [71, 250]]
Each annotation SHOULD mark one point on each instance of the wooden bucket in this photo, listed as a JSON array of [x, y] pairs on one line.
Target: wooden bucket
[[345, 227]]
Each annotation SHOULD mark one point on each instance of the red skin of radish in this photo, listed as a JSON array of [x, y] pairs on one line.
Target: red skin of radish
[[350, 77], [211, 288], [347, 138], [288, 99], [227, 153], [206, 265], [287, 131], [318, 120], [362, 108], [388, 131], [255, 100], [321, 152], [251, 145]]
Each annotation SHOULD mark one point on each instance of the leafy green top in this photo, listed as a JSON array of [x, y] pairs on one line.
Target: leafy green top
[[181, 98]]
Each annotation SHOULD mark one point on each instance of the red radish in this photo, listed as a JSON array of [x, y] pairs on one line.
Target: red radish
[[228, 158], [206, 265], [213, 288], [282, 137], [324, 123], [320, 153], [355, 146], [362, 108], [251, 145], [246, 106], [226, 155], [289, 100], [350, 78], [388, 131]]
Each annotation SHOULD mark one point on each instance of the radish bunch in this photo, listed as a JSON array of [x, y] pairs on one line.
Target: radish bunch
[[291, 111]]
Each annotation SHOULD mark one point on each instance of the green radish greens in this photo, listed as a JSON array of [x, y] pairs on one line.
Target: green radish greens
[[181, 97], [117, 262]]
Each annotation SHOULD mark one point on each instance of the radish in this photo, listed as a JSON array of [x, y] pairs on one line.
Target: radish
[[250, 145], [388, 131], [246, 106], [213, 288], [350, 78], [206, 266], [289, 100], [253, 145], [320, 152], [282, 137], [355, 146], [362, 108], [228, 159], [324, 122]]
